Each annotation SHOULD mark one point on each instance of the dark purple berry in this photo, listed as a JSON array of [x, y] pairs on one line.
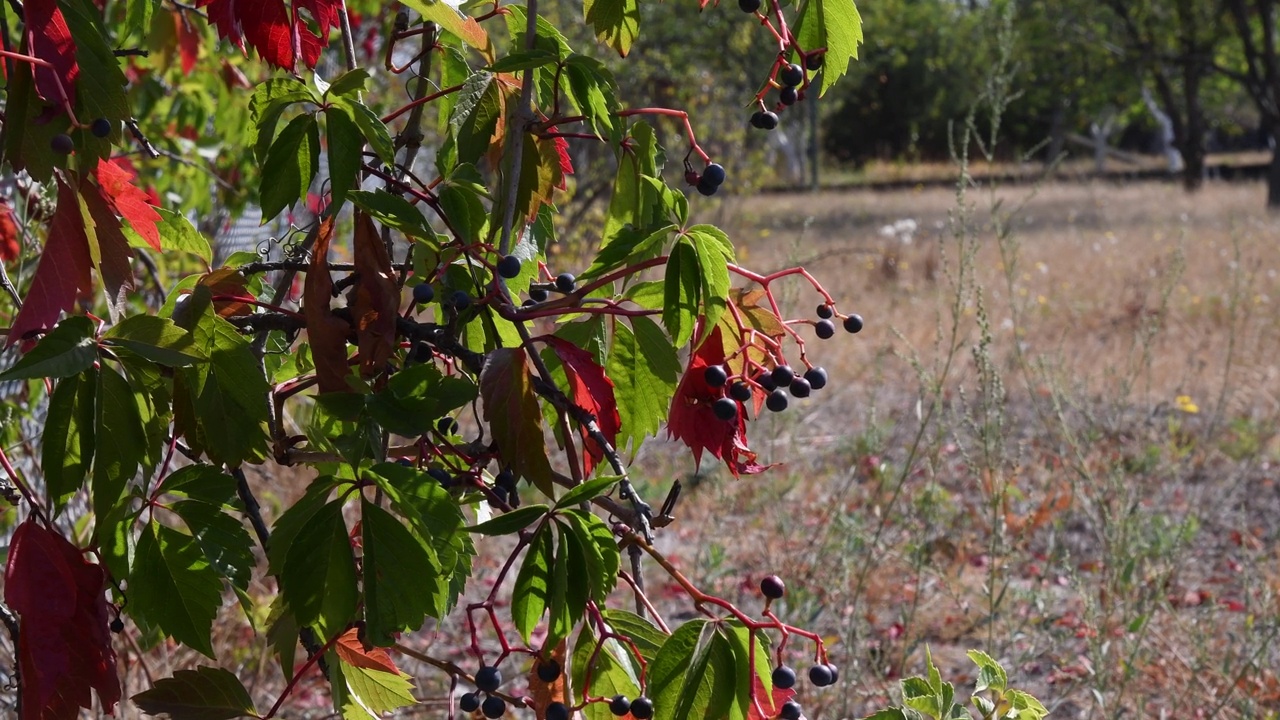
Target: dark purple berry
[[460, 300], [817, 378], [768, 120], [800, 388], [548, 671], [423, 293], [100, 127], [740, 391], [507, 479], [509, 266], [777, 401], [820, 675], [117, 626], [706, 188], [765, 381], [791, 75], [814, 62], [748, 6], [538, 294], [772, 587], [447, 425], [421, 353], [825, 312], [790, 710], [714, 174], [619, 705], [853, 323], [715, 376], [565, 282], [782, 375], [642, 708], [494, 707], [788, 96], [835, 672], [725, 408], [488, 678], [469, 702], [825, 329], [784, 677], [557, 711], [440, 475], [62, 144]]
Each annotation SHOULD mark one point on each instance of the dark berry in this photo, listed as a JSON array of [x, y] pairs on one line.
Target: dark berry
[[423, 293], [740, 391], [853, 323], [62, 144], [494, 707], [619, 705], [557, 711], [757, 119], [714, 174], [784, 677], [117, 626], [501, 495], [791, 75], [777, 401], [421, 353], [748, 6], [509, 266], [405, 462], [488, 678], [765, 380], [825, 312], [100, 127], [548, 671], [565, 282], [817, 378], [788, 96], [642, 708], [538, 294], [507, 479], [706, 188], [715, 375], [835, 672], [782, 375], [814, 62], [800, 388], [825, 329], [790, 710], [440, 475], [460, 300], [772, 587], [725, 408], [821, 675], [447, 425], [469, 702], [768, 120]]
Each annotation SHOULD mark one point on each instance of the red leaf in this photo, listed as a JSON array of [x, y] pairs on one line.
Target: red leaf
[[115, 257], [770, 706], [352, 651], [375, 298], [593, 391], [51, 41], [692, 420], [115, 181], [64, 646], [188, 41], [271, 28], [63, 272], [513, 414], [566, 164], [10, 239], [326, 332]]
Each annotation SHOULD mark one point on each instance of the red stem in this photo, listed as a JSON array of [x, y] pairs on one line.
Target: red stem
[[293, 682]]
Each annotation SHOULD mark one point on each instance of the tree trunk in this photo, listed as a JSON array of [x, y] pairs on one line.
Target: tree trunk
[[1273, 172], [1192, 142]]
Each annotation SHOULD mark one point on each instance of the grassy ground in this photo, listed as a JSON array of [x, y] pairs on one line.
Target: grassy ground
[[1055, 441]]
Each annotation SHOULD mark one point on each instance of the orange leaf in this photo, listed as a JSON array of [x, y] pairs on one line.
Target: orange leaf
[[377, 298], [353, 652], [326, 332]]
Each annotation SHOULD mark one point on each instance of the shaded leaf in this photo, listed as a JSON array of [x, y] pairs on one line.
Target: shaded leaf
[[222, 538], [63, 271], [395, 566], [319, 575], [206, 693], [67, 447], [174, 588], [157, 339], [376, 297], [509, 523], [68, 349], [616, 22], [291, 164], [326, 332], [511, 409]]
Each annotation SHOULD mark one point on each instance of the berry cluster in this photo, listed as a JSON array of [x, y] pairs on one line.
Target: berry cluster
[[789, 78], [62, 144], [784, 676], [488, 679], [709, 181]]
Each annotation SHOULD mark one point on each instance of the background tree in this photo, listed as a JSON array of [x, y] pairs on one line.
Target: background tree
[[1256, 27]]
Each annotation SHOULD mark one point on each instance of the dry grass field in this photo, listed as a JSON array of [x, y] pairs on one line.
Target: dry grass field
[[1055, 441]]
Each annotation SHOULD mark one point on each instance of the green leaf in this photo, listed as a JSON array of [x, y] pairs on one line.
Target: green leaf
[[475, 116], [587, 491], [68, 349], [393, 211], [67, 449], [524, 60], [101, 83], [205, 483], [396, 565], [174, 588], [991, 675], [206, 693], [835, 25], [347, 83], [157, 339], [375, 692], [645, 370], [614, 672], [371, 126], [683, 680], [601, 558], [616, 22], [647, 637], [746, 675], [512, 411], [892, 713], [291, 163], [319, 575], [532, 590], [1025, 706], [346, 146], [591, 86], [223, 539], [120, 439], [465, 210], [561, 604], [917, 695], [137, 18], [177, 234], [683, 291], [715, 252], [509, 523], [417, 396]]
